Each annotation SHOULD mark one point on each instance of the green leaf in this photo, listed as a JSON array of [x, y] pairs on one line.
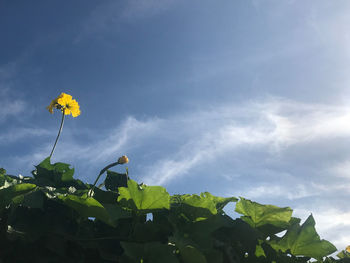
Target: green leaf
[[193, 207], [102, 196], [304, 240], [33, 199], [115, 180], [213, 256], [201, 232], [343, 254], [2, 171], [86, 207], [7, 194], [150, 231], [220, 202], [258, 215], [270, 230], [188, 249], [239, 235], [153, 252], [199, 207], [116, 212], [56, 173], [190, 254], [259, 251], [143, 198]]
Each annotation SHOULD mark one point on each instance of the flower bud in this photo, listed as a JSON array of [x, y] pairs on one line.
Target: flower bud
[[123, 159]]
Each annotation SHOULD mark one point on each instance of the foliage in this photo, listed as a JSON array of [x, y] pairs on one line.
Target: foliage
[[51, 217]]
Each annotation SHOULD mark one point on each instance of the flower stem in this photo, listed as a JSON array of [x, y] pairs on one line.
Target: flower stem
[[98, 177], [58, 135]]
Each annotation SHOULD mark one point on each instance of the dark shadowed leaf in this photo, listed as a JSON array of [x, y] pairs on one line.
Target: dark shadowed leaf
[[86, 207], [115, 180], [56, 173], [10, 192], [153, 252]]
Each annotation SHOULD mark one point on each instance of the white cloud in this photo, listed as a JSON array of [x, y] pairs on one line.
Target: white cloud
[[10, 106], [274, 125], [278, 191], [11, 103], [123, 138], [341, 169], [114, 143], [22, 133]]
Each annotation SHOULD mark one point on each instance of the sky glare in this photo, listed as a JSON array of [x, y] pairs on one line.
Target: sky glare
[[243, 98]]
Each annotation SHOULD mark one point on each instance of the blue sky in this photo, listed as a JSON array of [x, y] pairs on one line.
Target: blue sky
[[245, 98]]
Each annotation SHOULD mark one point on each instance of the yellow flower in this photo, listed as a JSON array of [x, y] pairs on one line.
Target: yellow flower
[[123, 159], [52, 105], [347, 249], [65, 103]]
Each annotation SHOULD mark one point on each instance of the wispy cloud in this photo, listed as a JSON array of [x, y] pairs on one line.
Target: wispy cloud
[[15, 135], [342, 169], [274, 125], [276, 191], [10, 106], [120, 140]]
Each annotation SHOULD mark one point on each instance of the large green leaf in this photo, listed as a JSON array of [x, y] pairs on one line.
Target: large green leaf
[[344, 254], [116, 212], [12, 190], [143, 198], [115, 180], [150, 231], [220, 202], [102, 196], [199, 207], [153, 252], [86, 207], [239, 236], [188, 249], [56, 173], [258, 215], [304, 240], [190, 254], [32, 199], [201, 232], [193, 207]]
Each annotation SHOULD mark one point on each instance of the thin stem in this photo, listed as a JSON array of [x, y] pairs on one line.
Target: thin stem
[[101, 172], [58, 135]]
